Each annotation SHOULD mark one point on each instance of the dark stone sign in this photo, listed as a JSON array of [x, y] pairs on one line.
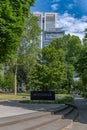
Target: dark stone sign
[[42, 95]]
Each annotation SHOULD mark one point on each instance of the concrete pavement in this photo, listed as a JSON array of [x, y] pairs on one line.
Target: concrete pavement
[[12, 108], [39, 120]]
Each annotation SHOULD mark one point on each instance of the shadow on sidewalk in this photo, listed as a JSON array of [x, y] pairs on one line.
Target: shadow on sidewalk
[[80, 102]]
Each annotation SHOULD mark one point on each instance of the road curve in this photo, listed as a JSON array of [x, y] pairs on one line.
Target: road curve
[[81, 124]]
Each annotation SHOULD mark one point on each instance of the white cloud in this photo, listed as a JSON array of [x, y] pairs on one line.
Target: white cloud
[[54, 7], [72, 25]]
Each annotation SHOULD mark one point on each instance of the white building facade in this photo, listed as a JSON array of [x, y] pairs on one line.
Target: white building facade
[[47, 23]]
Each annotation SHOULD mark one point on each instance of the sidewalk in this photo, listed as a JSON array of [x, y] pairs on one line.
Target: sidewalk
[[11, 108]]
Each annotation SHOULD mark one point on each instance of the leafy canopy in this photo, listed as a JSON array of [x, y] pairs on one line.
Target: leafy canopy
[[12, 18]]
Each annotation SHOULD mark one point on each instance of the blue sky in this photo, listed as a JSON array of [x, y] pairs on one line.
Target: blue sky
[[72, 14]]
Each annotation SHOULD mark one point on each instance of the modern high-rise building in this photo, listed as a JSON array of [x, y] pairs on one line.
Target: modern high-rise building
[[49, 20], [51, 34], [47, 23], [40, 23]]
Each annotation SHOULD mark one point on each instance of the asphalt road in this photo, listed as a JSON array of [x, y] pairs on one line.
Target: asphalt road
[[81, 103]]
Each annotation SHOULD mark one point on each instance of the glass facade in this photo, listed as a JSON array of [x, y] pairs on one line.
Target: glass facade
[[50, 19], [47, 23], [39, 16]]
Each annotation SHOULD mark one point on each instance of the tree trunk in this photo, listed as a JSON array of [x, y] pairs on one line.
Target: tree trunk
[[15, 80]]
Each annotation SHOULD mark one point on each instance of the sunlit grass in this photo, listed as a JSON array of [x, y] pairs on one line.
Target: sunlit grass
[[63, 95], [21, 96], [60, 99], [25, 98]]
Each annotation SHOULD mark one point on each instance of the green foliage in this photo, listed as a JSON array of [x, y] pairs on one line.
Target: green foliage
[[82, 66], [32, 29], [84, 95], [70, 47], [70, 70], [59, 43], [12, 18], [29, 45], [9, 81], [73, 50], [82, 63], [28, 50], [62, 91], [49, 73], [38, 75], [56, 65], [60, 100], [82, 60], [84, 77], [1, 76], [85, 38], [25, 58], [78, 85], [64, 100]]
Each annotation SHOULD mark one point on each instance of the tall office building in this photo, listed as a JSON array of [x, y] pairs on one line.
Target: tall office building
[[51, 34], [49, 20], [40, 23], [47, 23]]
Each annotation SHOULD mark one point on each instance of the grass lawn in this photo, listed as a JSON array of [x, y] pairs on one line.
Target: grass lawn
[[21, 96], [60, 99], [25, 98], [63, 95]]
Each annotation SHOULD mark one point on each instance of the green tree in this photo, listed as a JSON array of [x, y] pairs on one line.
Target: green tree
[[82, 66], [70, 47], [12, 22], [32, 31], [49, 72], [12, 19], [28, 49], [9, 81], [70, 70], [85, 38], [29, 46], [59, 43], [73, 50], [78, 85], [1, 76], [82, 61], [56, 64]]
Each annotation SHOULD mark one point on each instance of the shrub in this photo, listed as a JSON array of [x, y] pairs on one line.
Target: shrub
[[62, 91]]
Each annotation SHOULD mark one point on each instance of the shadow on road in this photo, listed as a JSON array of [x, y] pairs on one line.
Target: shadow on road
[[81, 103]]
